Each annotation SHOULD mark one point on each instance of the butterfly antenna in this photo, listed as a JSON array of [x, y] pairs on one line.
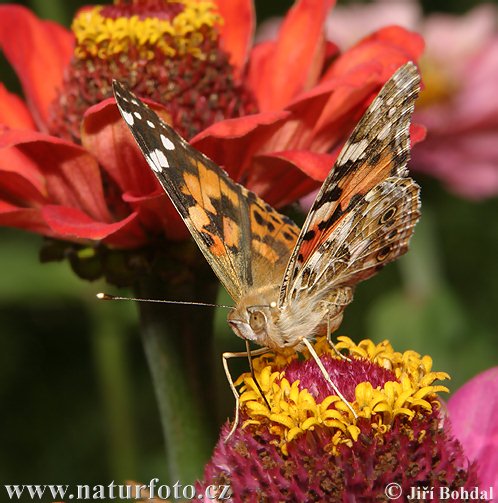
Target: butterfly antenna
[[108, 296]]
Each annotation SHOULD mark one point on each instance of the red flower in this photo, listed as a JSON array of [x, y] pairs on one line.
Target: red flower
[[283, 115]]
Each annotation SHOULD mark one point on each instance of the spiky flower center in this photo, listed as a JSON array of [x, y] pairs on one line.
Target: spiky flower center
[[173, 28], [380, 383], [168, 51]]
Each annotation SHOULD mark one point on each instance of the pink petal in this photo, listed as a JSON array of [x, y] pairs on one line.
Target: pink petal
[[473, 410]]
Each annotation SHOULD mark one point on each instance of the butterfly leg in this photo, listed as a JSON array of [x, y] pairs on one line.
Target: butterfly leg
[[327, 377], [225, 357], [329, 338]]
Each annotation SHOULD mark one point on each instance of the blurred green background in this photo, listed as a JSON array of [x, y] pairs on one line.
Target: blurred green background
[[75, 393]]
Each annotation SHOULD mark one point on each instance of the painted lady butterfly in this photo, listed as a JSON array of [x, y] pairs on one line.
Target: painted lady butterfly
[[289, 284]]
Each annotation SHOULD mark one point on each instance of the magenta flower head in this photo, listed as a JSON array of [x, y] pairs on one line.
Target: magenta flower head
[[309, 447], [472, 411]]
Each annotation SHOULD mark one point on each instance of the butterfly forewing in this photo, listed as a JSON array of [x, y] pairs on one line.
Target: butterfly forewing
[[239, 234], [364, 213]]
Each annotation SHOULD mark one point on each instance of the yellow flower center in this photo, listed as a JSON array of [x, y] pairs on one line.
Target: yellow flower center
[[294, 410], [104, 36]]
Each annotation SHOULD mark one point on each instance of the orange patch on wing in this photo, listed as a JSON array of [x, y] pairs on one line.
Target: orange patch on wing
[[369, 175], [218, 247], [201, 220], [210, 186], [359, 182], [265, 251], [231, 232], [199, 216], [193, 187]]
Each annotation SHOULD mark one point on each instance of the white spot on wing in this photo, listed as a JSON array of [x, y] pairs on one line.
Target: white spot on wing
[[355, 151], [168, 144], [382, 135], [137, 115], [158, 160], [128, 117], [150, 124]]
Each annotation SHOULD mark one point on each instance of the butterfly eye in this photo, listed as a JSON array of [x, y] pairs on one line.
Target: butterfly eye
[[383, 254], [388, 215], [257, 320]]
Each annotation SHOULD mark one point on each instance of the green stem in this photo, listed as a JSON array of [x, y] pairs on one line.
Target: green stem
[[109, 348], [177, 341]]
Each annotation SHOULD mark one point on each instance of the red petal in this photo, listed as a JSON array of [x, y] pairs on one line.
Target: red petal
[[157, 213], [64, 173], [283, 177], [389, 47], [232, 143], [27, 171], [292, 64], [17, 188], [24, 218], [13, 111], [73, 224], [39, 51], [316, 166], [106, 135], [417, 133], [237, 30], [324, 117]]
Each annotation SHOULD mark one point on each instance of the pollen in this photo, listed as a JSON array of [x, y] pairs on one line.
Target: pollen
[[169, 51], [383, 385], [100, 33]]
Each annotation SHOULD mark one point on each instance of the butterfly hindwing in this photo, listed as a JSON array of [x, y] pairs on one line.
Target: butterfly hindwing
[[364, 213], [240, 235]]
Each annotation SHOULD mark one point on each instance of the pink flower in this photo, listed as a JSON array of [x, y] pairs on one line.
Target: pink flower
[[306, 446], [460, 72], [459, 107], [472, 412]]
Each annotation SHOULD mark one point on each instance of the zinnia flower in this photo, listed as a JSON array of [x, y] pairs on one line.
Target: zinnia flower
[[458, 105], [276, 111], [472, 411], [309, 447]]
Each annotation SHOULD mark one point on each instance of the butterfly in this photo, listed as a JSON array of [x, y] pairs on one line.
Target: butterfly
[[291, 284]]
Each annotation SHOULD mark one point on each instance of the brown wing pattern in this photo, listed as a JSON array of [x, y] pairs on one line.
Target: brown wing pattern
[[345, 236], [238, 233]]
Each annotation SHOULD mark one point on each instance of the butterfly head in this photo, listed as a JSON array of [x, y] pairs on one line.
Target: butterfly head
[[256, 321]]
